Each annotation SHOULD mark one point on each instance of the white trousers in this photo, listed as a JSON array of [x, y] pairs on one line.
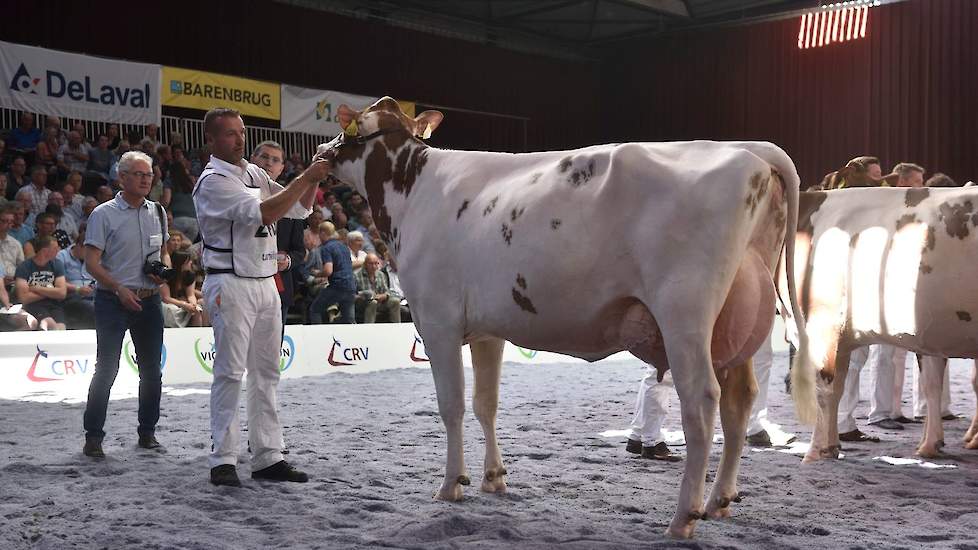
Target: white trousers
[[920, 404], [651, 407], [888, 376], [247, 319], [762, 373], [850, 395]]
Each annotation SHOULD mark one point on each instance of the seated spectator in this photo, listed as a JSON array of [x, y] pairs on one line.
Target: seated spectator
[[341, 288], [178, 241], [38, 189], [24, 199], [3, 189], [17, 177], [80, 128], [104, 194], [4, 161], [11, 251], [122, 149], [73, 202], [181, 307], [152, 135], [47, 150], [940, 180], [176, 139], [13, 321], [45, 227], [100, 159], [313, 264], [354, 240], [164, 159], [88, 205], [41, 285], [73, 155], [79, 304], [114, 137], [24, 138], [178, 199], [339, 218], [19, 229], [390, 269], [374, 294], [355, 203], [52, 122], [66, 229], [199, 160]]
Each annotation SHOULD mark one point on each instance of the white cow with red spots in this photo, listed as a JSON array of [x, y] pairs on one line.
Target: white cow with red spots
[[892, 266], [496, 246]]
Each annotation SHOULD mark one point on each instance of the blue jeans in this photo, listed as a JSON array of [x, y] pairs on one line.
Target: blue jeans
[[146, 328], [330, 295]]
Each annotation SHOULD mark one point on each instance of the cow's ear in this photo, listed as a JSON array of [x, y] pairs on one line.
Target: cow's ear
[[426, 123], [347, 118]]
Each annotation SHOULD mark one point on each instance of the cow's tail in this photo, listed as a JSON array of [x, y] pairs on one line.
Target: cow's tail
[[803, 388], [803, 371]]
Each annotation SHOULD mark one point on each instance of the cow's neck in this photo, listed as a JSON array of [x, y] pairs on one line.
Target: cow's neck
[[386, 177]]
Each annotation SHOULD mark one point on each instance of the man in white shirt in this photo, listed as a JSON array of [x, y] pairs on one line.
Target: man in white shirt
[[237, 207]]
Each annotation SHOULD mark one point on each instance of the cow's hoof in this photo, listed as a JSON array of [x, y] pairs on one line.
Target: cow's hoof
[[928, 451], [450, 492], [973, 444], [681, 529], [719, 507], [494, 480]]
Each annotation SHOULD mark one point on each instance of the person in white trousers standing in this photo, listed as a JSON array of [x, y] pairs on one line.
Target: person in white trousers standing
[[238, 206]]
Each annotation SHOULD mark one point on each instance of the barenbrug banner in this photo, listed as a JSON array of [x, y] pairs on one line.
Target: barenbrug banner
[[313, 111], [78, 86], [202, 90]]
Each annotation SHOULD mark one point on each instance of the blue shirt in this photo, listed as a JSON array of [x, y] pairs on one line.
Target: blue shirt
[[75, 271], [22, 140], [24, 234], [338, 254], [127, 237]]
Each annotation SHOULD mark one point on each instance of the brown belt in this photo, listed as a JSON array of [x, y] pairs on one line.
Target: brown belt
[[142, 293]]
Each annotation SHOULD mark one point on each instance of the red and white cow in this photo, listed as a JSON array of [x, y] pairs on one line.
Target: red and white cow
[[893, 266], [496, 246]]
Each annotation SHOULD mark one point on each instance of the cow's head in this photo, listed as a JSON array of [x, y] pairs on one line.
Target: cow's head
[[380, 152]]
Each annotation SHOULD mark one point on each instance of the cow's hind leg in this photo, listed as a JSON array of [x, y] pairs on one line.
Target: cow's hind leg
[[932, 372], [487, 357], [737, 391], [971, 436], [699, 392], [445, 353]]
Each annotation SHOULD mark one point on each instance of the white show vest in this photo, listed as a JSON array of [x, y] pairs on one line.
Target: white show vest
[[227, 199]]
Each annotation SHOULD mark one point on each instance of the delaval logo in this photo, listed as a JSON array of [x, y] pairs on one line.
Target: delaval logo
[[206, 358], [22, 81], [57, 85], [324, 109], [350, 354], [415, 356], [60, 369], [129, 352]]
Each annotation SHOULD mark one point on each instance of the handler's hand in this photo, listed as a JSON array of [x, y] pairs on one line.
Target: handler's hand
[[319, 169], [128, 299]]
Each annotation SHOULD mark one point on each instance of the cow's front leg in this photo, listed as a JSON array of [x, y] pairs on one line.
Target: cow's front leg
[[932, 372], [738, 388], [445, 353], [971, 436], [487, 357], [699, 392]]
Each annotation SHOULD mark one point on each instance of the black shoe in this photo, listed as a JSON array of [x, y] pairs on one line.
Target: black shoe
[[660, 451], [225, 474], [280, 471], [950, 416], [856, 436], [633, 446], [905, 420], [887, 424], [149, 442], [93, 447], [760, 439]]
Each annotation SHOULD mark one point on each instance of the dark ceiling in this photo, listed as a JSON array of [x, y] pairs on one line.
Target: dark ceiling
[[567, 28]]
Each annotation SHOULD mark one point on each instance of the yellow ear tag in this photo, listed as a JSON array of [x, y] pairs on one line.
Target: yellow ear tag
[[351, 129], [427, 132]]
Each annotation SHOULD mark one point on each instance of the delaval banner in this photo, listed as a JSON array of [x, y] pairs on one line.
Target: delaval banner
[[78, 86], [314, 111]]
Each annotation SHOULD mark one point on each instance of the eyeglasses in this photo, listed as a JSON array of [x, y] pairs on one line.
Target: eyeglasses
[[271, 159], [143, 175]]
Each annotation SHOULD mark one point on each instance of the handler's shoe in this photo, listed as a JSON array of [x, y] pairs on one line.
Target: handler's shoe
[[660, 451], [633, 446], [856, 436], [225, 474], [150, 442], [760, 439], [280, 471], [93, 447]]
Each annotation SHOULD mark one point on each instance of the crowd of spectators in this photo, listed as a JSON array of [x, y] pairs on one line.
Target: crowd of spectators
[[51, 180]]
